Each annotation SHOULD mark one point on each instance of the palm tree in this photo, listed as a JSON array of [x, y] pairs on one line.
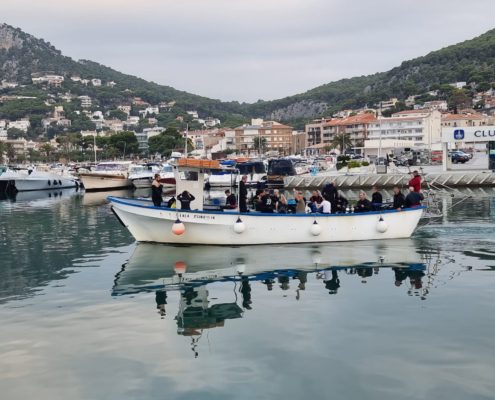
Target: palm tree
[[341, 141], [47, 148], [259, 143], [3, 148]]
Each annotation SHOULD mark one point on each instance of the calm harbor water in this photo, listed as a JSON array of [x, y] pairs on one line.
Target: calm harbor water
[[86, 313]]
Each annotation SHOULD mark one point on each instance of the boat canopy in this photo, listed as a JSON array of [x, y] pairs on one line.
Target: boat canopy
[[113, 166], [251, 167], [281, 166]]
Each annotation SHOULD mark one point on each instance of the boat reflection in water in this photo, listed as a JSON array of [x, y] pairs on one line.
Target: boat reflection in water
[[92, 199], [188, 270], [40, 198]]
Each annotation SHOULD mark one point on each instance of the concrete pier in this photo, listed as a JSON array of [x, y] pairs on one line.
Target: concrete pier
[[358, 181]]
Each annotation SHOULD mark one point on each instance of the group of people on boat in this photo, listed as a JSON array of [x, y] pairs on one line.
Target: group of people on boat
[[329, 201]]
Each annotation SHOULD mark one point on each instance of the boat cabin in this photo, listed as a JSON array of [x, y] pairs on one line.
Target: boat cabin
[[190, 175]]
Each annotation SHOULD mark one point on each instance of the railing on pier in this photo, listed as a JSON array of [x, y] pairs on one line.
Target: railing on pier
[[444, 179]]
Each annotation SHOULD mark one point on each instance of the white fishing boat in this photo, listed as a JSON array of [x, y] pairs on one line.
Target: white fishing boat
[[33, 179], [107, 175], [148, 223]]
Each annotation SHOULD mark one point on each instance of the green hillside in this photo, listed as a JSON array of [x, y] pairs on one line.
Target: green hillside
[[472, 61], [22, 54]]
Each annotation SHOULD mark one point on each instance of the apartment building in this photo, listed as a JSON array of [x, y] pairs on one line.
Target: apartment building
[[324, 131], [465, 119], [314, 131], [85, 101], [21, 124], [278, 137], [419, 127]]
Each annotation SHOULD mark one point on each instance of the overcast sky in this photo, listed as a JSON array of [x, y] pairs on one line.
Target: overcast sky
[[249, 49]]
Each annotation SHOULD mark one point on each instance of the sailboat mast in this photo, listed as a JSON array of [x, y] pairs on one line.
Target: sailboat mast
[[185, 147]]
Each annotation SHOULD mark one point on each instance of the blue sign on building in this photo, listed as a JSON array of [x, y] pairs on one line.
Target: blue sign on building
[[459, 134]]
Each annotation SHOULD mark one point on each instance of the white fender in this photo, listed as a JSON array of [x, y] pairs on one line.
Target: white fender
[[381, 226]]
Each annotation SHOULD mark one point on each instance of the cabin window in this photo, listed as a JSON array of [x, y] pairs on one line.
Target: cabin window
[[189, 175]]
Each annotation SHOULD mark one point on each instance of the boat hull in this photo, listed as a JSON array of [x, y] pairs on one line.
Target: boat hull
[[33, 183], [104, 182], [154, 224], [142, 183]]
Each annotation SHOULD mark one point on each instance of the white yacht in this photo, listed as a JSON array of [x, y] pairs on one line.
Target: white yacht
[[167, 176], [107, 175], [142, 176], [33, 179]]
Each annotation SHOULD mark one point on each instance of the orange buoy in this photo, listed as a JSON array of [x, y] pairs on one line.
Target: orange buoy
[[178, 227]]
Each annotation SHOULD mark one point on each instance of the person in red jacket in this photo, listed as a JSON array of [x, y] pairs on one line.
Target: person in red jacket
[[415, 182]]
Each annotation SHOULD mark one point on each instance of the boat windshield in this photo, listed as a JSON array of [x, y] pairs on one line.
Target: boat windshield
[[167, 168], [111, 167], [251, 168], [139, 168]]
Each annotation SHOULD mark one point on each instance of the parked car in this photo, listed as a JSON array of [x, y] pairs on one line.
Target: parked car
[[459, 157], [467, 153]]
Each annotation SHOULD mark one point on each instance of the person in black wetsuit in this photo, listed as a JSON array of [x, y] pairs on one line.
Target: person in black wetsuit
[[330, 193], [185, 199], [230, 200], [399, 199], [156, 191], [243, 194], [363, 204], [376, 198], [267, 202]]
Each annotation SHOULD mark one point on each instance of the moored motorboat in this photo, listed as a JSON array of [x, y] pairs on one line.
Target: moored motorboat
[[148, 223], [142, 176], [107, 176], [30, 180], [167, 176]]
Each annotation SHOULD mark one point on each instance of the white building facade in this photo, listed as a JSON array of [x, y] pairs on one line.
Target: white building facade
[[417, 127]]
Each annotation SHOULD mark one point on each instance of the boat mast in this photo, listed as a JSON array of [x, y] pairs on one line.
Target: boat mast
[[185, 147], [94, 145]]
